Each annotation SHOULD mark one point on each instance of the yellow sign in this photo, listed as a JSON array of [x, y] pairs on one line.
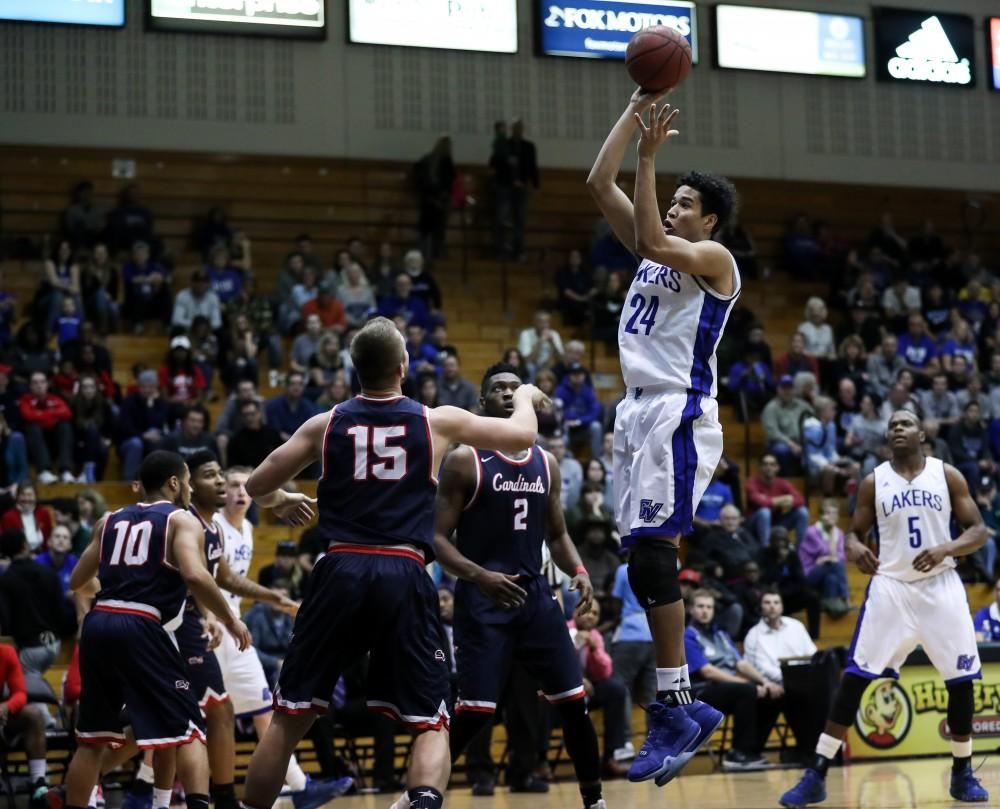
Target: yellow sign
[[908, 716]]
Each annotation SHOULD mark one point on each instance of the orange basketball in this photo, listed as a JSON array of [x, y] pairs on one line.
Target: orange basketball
[[658, 58]]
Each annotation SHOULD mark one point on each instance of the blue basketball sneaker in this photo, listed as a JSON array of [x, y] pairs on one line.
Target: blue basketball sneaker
[[708, 719], [966, 787], [811, 788], [318, 792], [133, 801], [671, 733]]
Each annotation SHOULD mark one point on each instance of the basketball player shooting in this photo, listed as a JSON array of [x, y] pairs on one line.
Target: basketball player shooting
[[667, 439], [915, 597]]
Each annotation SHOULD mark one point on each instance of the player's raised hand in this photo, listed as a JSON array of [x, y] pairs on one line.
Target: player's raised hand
[[240, 633], [295, 508], [642, 99], [929, 559], [212, 632], [502, 588], [581, 582], [287, 606], [658, 132], [539, 401], [862, 556]]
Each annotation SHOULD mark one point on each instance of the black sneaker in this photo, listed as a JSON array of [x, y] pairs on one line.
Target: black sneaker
[[531, 783], [484, 787], [738, 760]]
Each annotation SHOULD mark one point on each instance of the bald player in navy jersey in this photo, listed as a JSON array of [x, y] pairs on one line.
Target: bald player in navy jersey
[[380, 453], [500, 508]]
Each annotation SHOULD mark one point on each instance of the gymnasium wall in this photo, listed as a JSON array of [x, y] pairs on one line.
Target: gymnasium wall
[[132, 88]]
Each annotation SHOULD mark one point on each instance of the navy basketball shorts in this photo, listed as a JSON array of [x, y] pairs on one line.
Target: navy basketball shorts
[[202, 665], [362, 599], [537, 638], [129, 662]]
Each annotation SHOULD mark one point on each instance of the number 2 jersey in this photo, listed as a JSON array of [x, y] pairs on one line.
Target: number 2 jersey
[[136, 576], [910, 517], [502, 528], [670, 327]]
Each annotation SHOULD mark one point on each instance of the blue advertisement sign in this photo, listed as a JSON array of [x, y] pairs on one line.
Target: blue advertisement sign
[[601, 29], [76, 12]]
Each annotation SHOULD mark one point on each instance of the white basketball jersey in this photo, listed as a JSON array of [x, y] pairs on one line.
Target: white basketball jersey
[[670, 327], [911, 516], [238, 549]]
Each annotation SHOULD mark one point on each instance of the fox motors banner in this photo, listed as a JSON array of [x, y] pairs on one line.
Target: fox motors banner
[[907, 717]]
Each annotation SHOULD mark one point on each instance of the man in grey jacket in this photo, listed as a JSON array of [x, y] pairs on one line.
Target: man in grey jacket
[[782, 419], [884, 367]]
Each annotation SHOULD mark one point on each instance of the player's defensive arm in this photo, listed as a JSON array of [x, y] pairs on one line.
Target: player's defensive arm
[[187, 543], [855, 546], [229, 579], [563, 551], [452, 425], [304, 448], [974, 535], [83, 579], [455, 487]]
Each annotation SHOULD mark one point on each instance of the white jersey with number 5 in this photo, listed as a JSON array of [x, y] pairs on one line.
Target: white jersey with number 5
[[911, 516], [670, 327], [238, 548]]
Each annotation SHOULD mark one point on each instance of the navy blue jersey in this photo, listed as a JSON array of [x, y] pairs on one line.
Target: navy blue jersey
[[134, 571], [378, 482], [213, 548]]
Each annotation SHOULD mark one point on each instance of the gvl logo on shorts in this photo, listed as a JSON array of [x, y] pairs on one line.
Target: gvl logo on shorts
[[439, 655], [648, 510], [965, 662], [182, 685]]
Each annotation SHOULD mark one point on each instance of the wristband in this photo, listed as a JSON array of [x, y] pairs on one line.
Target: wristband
[[581, 571]]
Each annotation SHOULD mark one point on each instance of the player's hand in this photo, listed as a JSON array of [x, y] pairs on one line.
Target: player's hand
[[929, 559], [539, 401], [588, 688], [287, 606], [582, 583], [774, 690], [240, 634], [643, 99], [502, 588], [212, 631], [862, 556], [295, 508], [658, 132]]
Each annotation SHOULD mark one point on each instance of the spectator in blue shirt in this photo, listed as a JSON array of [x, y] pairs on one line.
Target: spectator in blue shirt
[[59, 556], [143, 423], [709, 513], [423, 356], [917, 347], [68, 324], [225, 280], [289, 411], [581, 408], [632, 650], [987, 620], [960, 341], [404, 302], [147, 289]]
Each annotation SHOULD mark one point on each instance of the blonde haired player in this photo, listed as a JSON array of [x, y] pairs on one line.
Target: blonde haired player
[[667, 438]]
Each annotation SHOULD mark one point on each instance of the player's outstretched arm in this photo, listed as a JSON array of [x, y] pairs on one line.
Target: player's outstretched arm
[[452, 425], [855, 546], [974, 534], [186, 541], [229, 579], [304, 448], [83, 579], [455, 488], [602, 182], [561, 547]]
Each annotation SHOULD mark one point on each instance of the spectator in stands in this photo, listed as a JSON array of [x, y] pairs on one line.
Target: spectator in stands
[[432, 177], [515, 170], [306, 250], [806, 387], [847, 406], [773, 500], [884, 366], [330, 310], [62, 280], [984, 560], [708, 515], [596, 555], [824, 463], [238, 353], [303, 292], [427, 390], [590, 506], [143, 423], [405, 302], [290, 410], [48, 430], [816, 332], [453, 389], [970, 447], [33, 520], [306, 344], [229, 421], [796, 359], [576, 290], [934, 446], [752, 377], [740, 243], [900, 300], [326, 363], [974, 393], [181, 381], [961, 341], [937, 309], [213, 231], [608, 303], [939, 403], [356, 297], [13, 448], [204, 349], [595, 471], [192, 436], [782, 419], [284, 570], [94, 428], [130, 221], [90, 508], [197, 300], [917, 347], [337, 391], [973, 300], [728, 547], [782, 568], [254, 441], [723, 679], [604, 689], [851, 363], [632, 653], [259, 311], [958, 377], [272, 633], [291, 274], [541, 346], [864, 321], [225, 280], [424, 358], [900, 397], [31, 354], [60, 557], [824, 564], [987, 620], [550, 423], [581, 408], [68, 324], [865, 440], [569, 469], [574, 353], [83, 220], [27, 722], [147, 289]]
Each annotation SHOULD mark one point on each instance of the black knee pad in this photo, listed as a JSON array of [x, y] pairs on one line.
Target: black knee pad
[[652, 573], [960, 708], [848, 699]]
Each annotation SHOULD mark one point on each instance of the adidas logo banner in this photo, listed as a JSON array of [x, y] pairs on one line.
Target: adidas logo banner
[[923, 46]]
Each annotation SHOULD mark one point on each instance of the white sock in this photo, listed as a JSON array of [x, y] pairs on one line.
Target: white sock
[[36, 769], [685, 677], [161, 797], [294, 777], [145, 773], [93, 796], [961, 749], [672, 679], [828, 746]]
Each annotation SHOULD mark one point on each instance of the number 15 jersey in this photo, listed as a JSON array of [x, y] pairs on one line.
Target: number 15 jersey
[[910, 517], [670, 327]]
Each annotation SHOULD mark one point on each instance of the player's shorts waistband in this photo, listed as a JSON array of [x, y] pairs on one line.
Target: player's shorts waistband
[[128, 608], [405, 551], [649, 390]]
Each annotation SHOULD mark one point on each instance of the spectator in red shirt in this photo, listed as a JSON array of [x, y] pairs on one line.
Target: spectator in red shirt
[[19, 718], [330, 310], [603, 687], [28, 516], [48, 430], [181, 380], [775, 501], [795, 359]]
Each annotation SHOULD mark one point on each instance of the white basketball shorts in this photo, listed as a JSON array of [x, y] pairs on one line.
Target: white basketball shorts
[[899, 615], [667, 445], [244, 678]]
